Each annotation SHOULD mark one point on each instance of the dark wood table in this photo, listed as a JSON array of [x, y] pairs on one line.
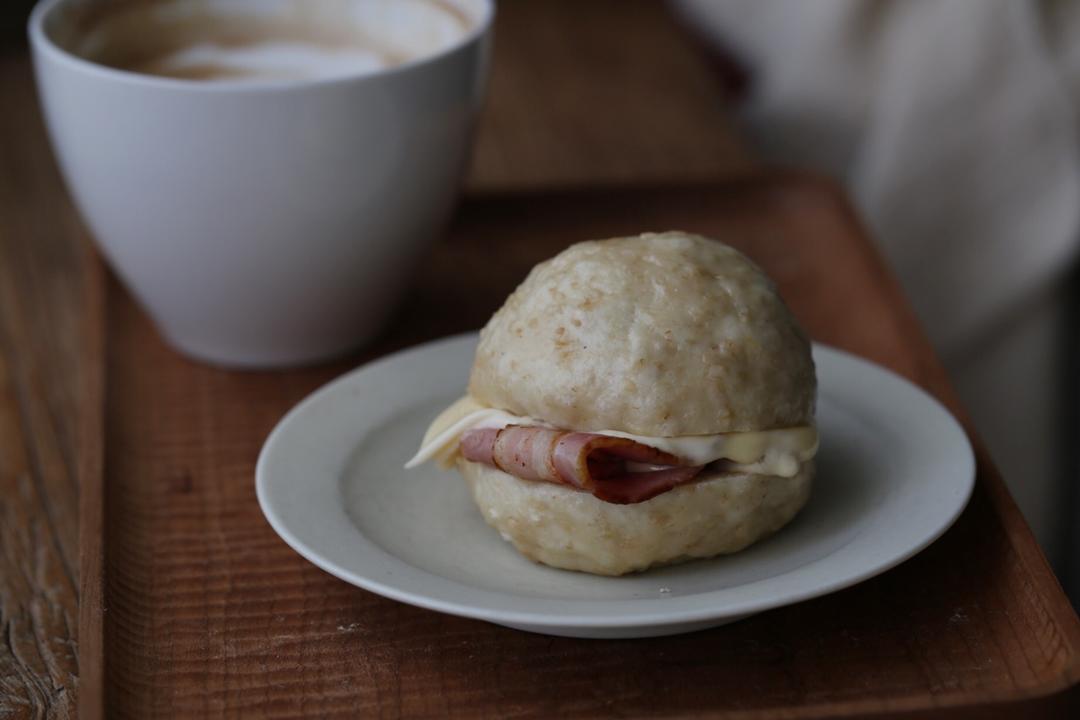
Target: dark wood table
[[172, 560]]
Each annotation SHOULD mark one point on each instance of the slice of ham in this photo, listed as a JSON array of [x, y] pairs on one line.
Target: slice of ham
[[641, 486], [599, 464]]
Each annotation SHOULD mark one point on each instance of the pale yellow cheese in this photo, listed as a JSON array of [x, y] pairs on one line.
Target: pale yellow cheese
[[768, 452]]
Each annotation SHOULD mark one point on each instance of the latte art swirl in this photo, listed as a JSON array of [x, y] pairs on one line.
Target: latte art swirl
[[265, 39]]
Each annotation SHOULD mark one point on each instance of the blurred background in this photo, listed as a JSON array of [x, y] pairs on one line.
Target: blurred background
[[952, 124]]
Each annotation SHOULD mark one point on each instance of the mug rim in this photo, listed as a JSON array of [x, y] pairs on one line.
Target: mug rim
[[41, 42]]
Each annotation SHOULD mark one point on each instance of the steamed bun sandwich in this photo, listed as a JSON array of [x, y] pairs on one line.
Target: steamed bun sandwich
[[636, 402]]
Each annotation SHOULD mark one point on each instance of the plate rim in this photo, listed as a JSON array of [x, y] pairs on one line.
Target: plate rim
[[666, 612]]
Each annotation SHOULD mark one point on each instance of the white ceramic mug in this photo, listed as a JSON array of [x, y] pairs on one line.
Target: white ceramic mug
[[271, 223]]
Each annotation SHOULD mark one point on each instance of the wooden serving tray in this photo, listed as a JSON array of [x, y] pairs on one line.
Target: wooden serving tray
[[192, 606]]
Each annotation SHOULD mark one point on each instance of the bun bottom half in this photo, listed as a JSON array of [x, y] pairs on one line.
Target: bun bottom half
[[717, 514]]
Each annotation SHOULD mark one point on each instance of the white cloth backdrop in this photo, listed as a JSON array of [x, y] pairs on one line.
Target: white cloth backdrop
[[954, 125]]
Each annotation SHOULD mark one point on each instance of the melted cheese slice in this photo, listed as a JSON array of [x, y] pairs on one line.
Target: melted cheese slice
[[768, 452]]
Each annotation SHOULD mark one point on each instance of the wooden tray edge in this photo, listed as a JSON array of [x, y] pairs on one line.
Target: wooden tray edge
[[91, 444], [1022, 539]]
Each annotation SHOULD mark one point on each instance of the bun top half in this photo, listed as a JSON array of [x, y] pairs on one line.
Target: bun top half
[[664, 335]]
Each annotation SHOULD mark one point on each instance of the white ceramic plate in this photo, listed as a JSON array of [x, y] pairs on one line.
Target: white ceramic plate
[[894, 471]]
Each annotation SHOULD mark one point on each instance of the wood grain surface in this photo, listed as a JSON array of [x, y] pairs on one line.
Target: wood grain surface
[[41, 261], [600, 92], [210, 614]]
